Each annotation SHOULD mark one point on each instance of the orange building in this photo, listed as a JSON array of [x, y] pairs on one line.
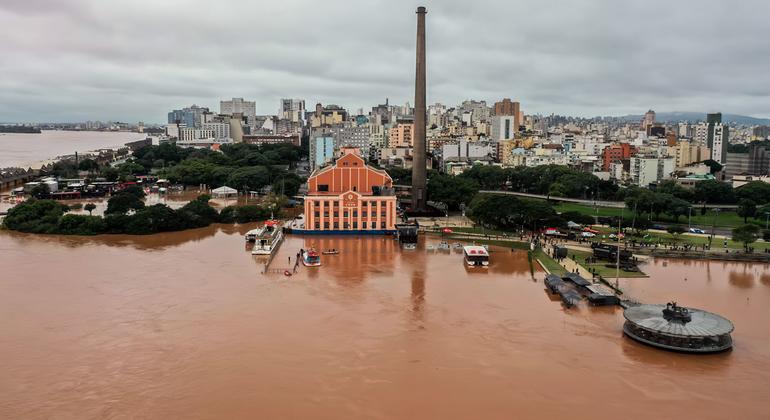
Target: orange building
[[401, 135], [350, 197], [616, 152]]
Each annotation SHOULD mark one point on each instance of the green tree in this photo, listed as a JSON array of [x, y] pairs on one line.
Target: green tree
[[746, 234], [676, 207], [123, 201], [714, 192], [713, 165], [89, 165], [756, 191], [35, 216], [249, 178], [746, 208], [451, 190], [90, 207], [79, 224], [40, 190]]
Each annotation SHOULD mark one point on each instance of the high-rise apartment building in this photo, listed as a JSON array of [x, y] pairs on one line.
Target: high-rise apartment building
[[401, 135], [190, 117], [717, 137], [687, 152], [503, 127], [616, 153], [293, 109], [648, 120], [509, 108]]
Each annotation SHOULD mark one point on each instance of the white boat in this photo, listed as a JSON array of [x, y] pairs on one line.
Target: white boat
[[310, 258], [266, 239], [443, 246], [476, 256], [409, 245]]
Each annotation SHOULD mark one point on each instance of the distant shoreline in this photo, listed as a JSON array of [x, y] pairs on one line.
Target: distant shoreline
[[19, 129]]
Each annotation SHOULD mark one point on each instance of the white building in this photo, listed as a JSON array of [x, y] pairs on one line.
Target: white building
[[238, 106], [718, 142], [650, 170], [502, 127], [220, 130]]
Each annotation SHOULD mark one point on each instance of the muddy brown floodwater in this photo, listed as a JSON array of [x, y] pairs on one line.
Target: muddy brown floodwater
[[183, 325]]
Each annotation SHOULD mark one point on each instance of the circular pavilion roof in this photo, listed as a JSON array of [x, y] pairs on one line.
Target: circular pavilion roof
[[703, 323]]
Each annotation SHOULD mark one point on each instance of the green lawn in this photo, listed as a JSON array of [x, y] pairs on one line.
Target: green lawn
[[549, 263], [601, 266], [728, 219], [479, 230], [718, 243]]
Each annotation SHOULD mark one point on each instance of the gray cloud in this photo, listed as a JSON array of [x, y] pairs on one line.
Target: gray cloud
[[136, 59]]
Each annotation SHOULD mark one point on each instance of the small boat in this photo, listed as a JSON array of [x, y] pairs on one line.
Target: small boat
[[330, 252], [430, 248], [476, 256], [443, 246], [457, 245], [266, 239], [310, 258], [287, 273], [409, 246]]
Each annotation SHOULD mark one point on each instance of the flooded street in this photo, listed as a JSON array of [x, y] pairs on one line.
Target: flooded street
[[183, 325]]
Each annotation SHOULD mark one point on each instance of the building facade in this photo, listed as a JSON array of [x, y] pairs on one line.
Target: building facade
[[401, 135], [503, 127], [350, 197], [238, 106], [321, 151], [717, 137], [616, 153]]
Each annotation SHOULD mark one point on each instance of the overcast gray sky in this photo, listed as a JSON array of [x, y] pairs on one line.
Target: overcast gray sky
[[72, 60]]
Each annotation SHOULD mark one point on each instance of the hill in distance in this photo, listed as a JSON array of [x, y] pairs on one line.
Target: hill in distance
[[672, 117]]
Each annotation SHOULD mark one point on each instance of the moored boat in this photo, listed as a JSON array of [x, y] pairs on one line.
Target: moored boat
[[476, 256], [310, 258], [266, 239]]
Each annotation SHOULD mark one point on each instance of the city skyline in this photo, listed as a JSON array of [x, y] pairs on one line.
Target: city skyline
[[134, 61]]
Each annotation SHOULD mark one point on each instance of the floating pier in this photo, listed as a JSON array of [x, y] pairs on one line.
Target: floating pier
[[673, 327]]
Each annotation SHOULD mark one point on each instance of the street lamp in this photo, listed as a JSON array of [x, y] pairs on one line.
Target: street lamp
[[714, 223]]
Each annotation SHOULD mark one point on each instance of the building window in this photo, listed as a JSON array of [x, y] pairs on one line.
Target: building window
[[317, 225], [318, 214], [326, 225], [336, 214], [355, 225], [326, 214], [364, 213], [323, 187], [316, 203], [382, 225], [355, 213], [336, 225], [355, 188], [345, 214], [363, 225]]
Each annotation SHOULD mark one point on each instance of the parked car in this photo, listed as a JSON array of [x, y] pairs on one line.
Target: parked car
[[587, 234], [696, 230], [658, 227]]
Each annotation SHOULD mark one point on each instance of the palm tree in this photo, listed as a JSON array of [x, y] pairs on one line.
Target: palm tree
[[89, 208]]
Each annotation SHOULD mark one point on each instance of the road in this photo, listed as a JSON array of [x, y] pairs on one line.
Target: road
[[597, 203]]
